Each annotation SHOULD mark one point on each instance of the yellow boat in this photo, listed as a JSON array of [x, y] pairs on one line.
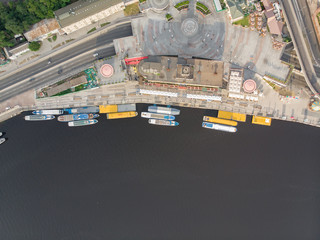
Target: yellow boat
[[121, 115], [108, 108], [261, 120], [219, 120], [232, 116]]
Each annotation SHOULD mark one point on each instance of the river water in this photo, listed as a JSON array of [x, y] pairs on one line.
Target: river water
[[126, 179]]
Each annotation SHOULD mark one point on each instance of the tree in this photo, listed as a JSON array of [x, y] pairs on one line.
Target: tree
[[13, 25], [5, 40], [34, 46]]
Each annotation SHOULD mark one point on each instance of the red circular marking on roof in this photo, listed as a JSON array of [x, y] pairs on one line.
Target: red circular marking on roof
[[106, 70], [249, 86]]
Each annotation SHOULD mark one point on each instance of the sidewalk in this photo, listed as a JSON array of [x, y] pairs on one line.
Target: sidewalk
[[48, 48]]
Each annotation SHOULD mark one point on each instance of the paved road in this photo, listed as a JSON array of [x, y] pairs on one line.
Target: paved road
[[294, 21], [44, 73], [301, 7]]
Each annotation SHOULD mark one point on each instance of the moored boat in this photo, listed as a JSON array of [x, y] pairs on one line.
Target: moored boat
[[121, 115], [76, 117], [164, 110], [82, 123], [38, 117], [0, 134], [163, 122], [91, 109], [2, 140], [219, 127], [48, 112], [157, 116], [219, 120]]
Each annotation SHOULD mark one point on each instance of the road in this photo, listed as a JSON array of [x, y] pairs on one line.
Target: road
[[43, 73], [302, 8], [293, 19]]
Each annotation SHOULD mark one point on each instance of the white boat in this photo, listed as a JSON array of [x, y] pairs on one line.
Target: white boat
[[48, 112], [0, 134], [157, 116], [2, 140], [38, 117], [164, 110], [82, 123], [163, 122], [219, 127]]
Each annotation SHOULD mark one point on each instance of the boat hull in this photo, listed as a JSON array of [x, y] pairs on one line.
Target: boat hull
[[82, 123], [164, 110], [121, 115], [219, 127], [157, 116], [48, 112], [82, 110], [2, 140], [163, 122], [76, 117], [38, 117]]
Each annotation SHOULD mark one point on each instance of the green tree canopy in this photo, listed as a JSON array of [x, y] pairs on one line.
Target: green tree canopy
[[34, 46], [17, 16]]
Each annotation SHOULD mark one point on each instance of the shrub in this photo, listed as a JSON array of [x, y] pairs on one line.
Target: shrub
[[34, 46], [104, 24], [169, 17], [54, 37], [91, 30]]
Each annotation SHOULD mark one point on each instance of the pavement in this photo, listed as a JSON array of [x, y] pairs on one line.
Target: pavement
[[212, 37]]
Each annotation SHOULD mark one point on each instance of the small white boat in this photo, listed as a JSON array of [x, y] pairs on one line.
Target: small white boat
[[2, 140], [219, 127], [157, 116], [48, 112], [163, 122]]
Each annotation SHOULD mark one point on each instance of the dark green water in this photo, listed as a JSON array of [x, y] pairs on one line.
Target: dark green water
[[126, 179]]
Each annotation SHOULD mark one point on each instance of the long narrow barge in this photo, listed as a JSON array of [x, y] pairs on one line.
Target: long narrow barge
[[48, 112], [219, 127], [157, 116], [38, 117], [82, 123], [76, 117], [163, 122], [164, 110]]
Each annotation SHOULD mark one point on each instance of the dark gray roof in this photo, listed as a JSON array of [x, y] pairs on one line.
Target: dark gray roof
[[82, 9]]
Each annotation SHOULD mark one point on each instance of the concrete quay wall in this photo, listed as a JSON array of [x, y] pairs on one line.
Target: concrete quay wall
[[11, 113]]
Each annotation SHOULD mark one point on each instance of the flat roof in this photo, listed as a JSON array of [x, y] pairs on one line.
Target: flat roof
[[41, 28], [199, 72], [81, 9]]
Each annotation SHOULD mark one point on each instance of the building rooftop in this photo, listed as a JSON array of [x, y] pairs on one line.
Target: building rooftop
[[175, 70], [275, 26], [17, 49], [235, 7], [82, 9], [41, 28]]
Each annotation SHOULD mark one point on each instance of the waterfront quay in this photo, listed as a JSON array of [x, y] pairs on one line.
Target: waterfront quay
[[129, 92]]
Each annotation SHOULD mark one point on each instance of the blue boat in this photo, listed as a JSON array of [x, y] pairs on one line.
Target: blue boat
[[76, 117], [93, 109]]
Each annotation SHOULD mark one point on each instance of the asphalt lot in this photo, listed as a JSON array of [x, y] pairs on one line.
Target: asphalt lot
[[43, 73]]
